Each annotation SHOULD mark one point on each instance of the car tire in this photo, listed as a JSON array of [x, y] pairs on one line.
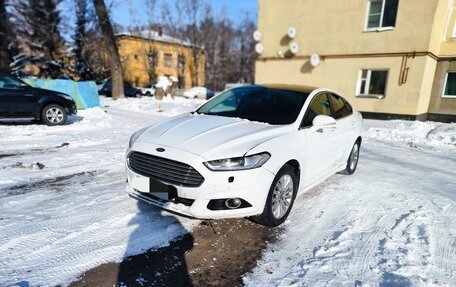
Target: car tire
[[352, 161], [54, 115], [148, 94], [138, 95], [195, 97], [280, 198]]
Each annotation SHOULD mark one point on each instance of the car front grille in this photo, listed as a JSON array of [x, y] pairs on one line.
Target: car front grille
[[165, 170]]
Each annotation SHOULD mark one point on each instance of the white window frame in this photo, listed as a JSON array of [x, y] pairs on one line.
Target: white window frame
[[379, 28], [365, 93], [444, 86]]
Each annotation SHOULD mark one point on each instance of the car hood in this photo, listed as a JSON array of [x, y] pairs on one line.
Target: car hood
[[212, 137], [41, 91]]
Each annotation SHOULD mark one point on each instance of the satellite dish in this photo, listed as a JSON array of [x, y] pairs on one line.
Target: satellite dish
[[257, 36], [294, 48], [292, 32], [259, 48], [314, 60]]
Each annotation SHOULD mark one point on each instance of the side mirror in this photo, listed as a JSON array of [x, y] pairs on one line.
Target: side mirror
[[24, 87], [323, 121]]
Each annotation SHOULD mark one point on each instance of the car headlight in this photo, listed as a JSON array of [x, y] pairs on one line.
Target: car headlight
[[238, 163], [66, 97], [135, 136]]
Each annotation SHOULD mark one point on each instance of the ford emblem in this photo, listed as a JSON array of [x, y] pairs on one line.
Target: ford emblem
[[160, 149]]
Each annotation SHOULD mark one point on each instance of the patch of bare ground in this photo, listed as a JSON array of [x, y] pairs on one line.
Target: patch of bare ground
[[57, 183], [216, 253]]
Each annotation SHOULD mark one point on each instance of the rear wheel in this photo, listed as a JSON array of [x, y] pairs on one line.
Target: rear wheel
[[280, 198], [138, 95], [148, 94], [53, 115], [352, 161]]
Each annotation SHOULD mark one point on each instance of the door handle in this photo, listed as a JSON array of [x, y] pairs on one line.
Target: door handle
[[322, 129], [28, 95]]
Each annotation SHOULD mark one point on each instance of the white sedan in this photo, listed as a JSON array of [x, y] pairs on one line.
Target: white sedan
[[245, 153]]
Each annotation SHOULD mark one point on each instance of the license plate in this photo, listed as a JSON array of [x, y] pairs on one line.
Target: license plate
[[158, 189]]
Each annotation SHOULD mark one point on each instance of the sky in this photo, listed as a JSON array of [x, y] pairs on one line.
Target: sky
[[135, 11]]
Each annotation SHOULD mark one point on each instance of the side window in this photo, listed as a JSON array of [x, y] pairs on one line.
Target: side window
[[318, 106], [9, 83], [349, 107], [339, 108]]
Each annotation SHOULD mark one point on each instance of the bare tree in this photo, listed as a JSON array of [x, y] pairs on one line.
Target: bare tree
[[110, 40], [5, 38]]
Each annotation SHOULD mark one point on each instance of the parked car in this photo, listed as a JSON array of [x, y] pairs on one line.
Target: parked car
[[198, 93], [148, 91], [128, 90], [245, 153], [19, 100], [100, 84]]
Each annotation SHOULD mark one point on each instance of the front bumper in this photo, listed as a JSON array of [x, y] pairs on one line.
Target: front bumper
[[71, 108], [251, 186]]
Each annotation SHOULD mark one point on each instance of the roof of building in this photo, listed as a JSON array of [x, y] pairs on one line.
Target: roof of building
[[155, 36]]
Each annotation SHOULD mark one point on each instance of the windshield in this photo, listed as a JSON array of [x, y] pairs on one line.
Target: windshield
[[275, 107]]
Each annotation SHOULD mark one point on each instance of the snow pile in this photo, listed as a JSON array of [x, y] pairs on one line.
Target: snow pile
[[415, 132], [171, 107], [392, 223]]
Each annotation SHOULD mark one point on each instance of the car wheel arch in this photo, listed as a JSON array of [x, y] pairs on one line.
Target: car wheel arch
[[296, 167], [359, 140]]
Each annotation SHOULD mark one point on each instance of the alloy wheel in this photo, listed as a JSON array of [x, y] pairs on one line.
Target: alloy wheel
[[354, 156], [54, 115], [282, 196]]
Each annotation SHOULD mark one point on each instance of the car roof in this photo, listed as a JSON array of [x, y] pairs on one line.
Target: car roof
[[286, 87]]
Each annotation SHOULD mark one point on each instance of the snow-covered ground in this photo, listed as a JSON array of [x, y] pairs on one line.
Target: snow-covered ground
[[393, 223], [74, 214]]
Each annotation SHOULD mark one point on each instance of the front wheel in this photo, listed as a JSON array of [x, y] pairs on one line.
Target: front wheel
[[53, 115], [280, 198]]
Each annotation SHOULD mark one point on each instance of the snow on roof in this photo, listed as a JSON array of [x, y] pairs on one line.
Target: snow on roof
[[155, 36]]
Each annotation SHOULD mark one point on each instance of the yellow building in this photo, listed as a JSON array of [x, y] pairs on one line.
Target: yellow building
[[146, 55], [389, 58]]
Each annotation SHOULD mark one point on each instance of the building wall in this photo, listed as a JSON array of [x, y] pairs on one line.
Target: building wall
[[337, 27], [342, 75], [448, 26], [134, 53], [439, 104], [336, 31]]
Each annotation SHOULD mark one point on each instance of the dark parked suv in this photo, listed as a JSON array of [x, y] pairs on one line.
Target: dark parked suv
[[129, 91], [19, 100]]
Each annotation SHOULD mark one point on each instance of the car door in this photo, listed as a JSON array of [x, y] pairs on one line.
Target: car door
[[319, 152], [344, 124], [16, 98]]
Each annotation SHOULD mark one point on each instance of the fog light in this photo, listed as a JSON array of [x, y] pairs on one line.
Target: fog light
[[233, 203]]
